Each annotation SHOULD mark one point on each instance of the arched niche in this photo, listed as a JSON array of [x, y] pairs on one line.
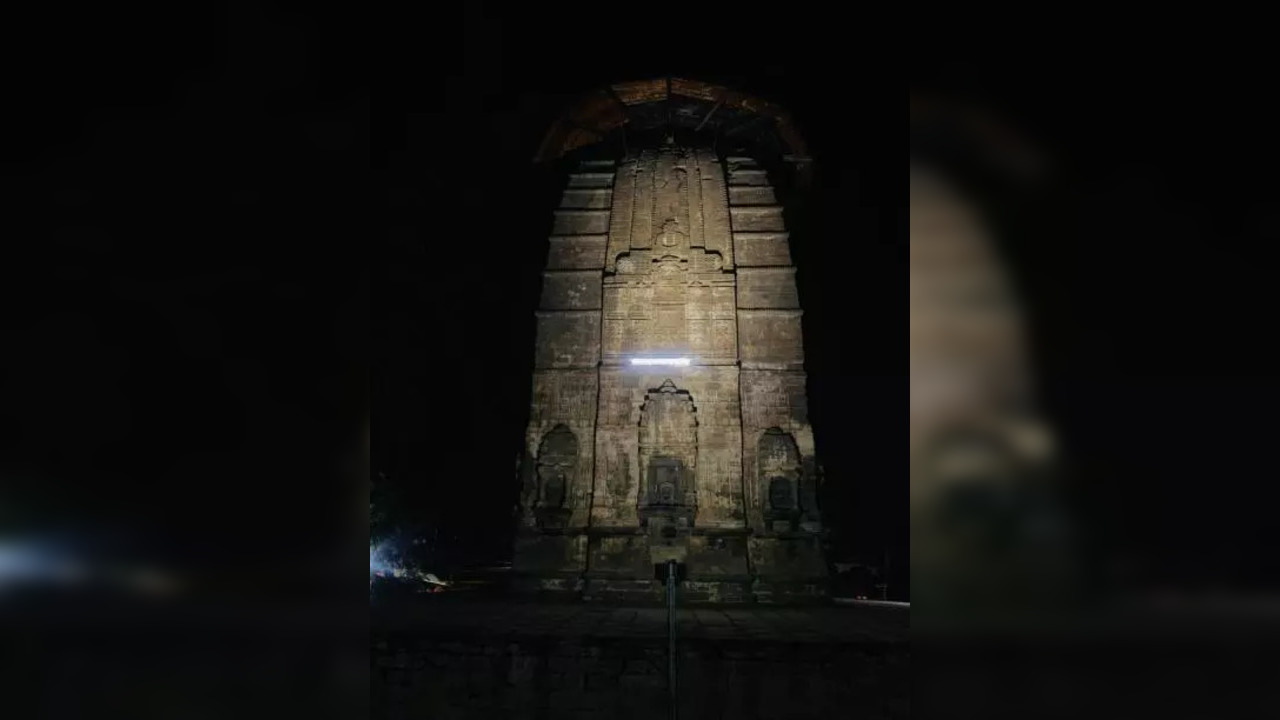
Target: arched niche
[[779, 470], [668, 444], [557, 467]]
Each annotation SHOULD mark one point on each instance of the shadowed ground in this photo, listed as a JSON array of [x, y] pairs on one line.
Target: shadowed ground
[[496, 618], [489, 658]]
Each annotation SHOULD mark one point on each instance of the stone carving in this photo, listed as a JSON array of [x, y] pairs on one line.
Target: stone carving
[[779, 467], [557, 463], [671, 221], [668, 442], [665, 481], [668, 267], [780, 493], [670, 236], [658, 460]]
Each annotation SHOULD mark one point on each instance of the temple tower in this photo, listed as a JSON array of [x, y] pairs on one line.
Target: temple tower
[[669, 414]]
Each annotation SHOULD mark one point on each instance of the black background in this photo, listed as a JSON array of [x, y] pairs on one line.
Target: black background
[[186, 258]]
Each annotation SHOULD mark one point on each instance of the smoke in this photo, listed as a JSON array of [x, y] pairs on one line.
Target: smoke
[[381, 562]]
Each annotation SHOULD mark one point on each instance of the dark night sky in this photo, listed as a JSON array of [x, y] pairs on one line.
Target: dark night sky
[[183, 285]]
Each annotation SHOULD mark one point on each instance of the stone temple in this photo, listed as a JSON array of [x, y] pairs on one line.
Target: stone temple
[[668, 418]]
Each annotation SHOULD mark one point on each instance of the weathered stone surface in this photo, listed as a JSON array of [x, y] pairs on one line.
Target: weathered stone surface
[[792, 558], [619, 557], [757, 218], [715, 207], [568, 338], [581, 222], [675, 310], [564, 402], [571, 290], [593, 179], [758, 249], [713, 556], [762, 288], [777, 444], [620, 214], [551, 553], [576, 252], [586, 198], [774, 399], [642, 212], [670, 462], [562, 396], [747, 176], [770, 339], [752, 195]]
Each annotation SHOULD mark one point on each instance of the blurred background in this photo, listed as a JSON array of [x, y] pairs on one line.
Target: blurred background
[[1092, 244], [1132, 210]]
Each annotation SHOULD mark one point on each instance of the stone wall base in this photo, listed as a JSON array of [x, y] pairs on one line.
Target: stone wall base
[[791, 592]]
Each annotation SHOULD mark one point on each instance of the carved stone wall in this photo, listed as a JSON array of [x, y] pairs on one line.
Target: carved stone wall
[[669, 460], [557, 469], [668, 444]]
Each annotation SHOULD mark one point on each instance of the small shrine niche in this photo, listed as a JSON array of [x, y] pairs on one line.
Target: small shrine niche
[[666, 481], [557, 463], [779, 467], [668, 441], [780, 494]]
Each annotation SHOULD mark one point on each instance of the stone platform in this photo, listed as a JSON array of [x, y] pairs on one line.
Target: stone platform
[[460, 658], [458, 617]]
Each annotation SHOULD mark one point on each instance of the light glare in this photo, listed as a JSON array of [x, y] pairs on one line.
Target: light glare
[[660, 361]]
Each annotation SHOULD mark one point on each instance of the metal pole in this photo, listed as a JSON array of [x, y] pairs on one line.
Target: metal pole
[[884, 590], [671, 634]]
